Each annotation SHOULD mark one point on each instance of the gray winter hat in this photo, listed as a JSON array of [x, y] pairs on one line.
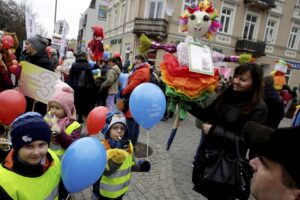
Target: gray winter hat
[[39, 43]]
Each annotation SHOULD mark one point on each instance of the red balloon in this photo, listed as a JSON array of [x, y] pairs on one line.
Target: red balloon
[[117, 55], [14, 69], [12, 56], [8, 41], [48, 48], [96, 120], [12, 104]]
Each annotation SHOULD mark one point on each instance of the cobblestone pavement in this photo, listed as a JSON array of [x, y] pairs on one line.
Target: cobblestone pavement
[[171, 172]]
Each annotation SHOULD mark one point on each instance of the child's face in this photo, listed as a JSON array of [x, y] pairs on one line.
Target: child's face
[[34, 152], [117, 131], [57, 110]]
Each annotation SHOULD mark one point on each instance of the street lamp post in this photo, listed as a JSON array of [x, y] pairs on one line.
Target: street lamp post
[[55, 11]]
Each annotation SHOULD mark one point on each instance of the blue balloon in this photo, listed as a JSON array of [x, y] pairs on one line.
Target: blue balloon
[[83, 164], [92, 64], [105, 55], [123, 80], [147, 104]]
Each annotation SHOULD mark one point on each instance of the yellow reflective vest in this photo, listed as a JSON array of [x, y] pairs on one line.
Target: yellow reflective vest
[[44, 187], [117, 183]]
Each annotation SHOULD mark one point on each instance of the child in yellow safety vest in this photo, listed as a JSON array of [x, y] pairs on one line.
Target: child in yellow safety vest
[[120, 160], [30, 170], [61, 118]]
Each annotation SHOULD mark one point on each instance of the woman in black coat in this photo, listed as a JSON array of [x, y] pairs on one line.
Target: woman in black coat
[[224, 120], [83, 88], [274, 103], [35, 53]]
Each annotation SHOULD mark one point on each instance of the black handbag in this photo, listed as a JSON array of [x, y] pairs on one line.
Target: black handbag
[[219, 172]]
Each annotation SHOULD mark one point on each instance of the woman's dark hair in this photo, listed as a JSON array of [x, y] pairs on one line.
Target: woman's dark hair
[[255, 93], [114, 60], [82, 56], [118, 59], [268, 81], [140, 57]]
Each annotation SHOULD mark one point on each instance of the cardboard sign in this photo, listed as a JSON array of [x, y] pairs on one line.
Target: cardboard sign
[[36, 82], [200, 59]]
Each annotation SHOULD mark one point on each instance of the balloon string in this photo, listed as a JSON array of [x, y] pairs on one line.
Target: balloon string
[[147, 132], [33, 105]]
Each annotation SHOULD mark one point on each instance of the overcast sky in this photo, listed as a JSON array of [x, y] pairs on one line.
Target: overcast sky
[[69, 10]]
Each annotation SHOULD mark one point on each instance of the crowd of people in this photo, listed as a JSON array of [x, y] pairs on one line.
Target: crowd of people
[[245, 113]]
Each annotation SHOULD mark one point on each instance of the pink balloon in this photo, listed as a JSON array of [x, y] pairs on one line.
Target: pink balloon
[[12, 104]]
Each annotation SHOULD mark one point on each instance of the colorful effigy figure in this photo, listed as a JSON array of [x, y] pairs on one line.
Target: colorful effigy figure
[[280, 69], [96, 44], [183, 84]]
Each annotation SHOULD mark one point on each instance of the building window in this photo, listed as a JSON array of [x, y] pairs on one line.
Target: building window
[[116, 18], [294, 38], [122, 15], [155, 10], [250, 27], [271, 31], [102, 15], [226, 17], [131, 8], [84, 20], [60, 29], [93, 4], [189, 3], [287, 75], [109, 19]]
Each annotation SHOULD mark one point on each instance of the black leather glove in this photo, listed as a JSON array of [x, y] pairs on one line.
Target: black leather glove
[[121, 95], [145, 166], [121, 144], [126, 96]]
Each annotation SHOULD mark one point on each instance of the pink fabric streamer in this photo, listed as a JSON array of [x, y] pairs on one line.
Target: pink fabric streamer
[[171, 48]]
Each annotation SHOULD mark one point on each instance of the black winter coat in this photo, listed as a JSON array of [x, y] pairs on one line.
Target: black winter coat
[[275, 106], [40, 59], [227, 125], [75, 72]]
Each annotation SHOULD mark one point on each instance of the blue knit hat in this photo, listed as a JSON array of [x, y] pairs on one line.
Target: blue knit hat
[[28, 128], [111, 119]]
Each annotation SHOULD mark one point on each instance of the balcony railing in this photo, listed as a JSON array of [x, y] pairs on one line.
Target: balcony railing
[[262, 4], [256, 48], [156, 28]]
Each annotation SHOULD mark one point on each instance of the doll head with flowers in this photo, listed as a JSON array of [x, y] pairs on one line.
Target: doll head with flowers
[[200, 20]]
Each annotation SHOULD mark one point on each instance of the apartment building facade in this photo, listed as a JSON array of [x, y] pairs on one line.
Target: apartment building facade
[[96, 13], [269, 29]]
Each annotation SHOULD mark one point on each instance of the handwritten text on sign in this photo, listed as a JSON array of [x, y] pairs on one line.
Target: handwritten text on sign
[[36, 82]]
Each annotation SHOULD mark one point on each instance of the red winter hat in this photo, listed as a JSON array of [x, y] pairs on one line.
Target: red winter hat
[[64, 96]]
